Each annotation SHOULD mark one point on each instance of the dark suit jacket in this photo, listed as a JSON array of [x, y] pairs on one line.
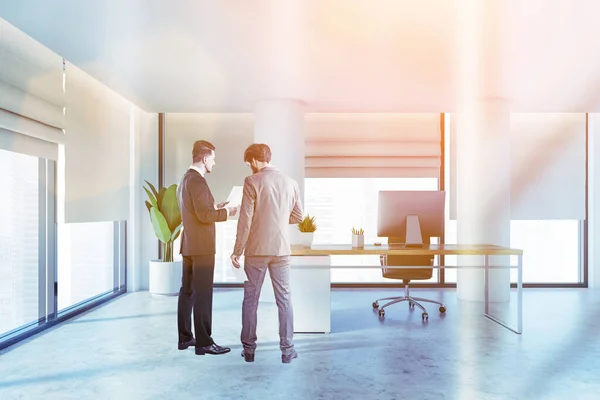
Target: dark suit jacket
[[198, 214]]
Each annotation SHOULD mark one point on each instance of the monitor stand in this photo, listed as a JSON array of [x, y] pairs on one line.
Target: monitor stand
[[413, 231]]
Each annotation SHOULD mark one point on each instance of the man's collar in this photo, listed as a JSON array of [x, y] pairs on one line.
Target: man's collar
[[198, 170]]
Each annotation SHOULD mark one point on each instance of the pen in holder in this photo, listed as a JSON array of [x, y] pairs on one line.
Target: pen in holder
[[358, 238]]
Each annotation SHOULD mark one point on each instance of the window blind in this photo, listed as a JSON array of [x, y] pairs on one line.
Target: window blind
[[97, 150], [547, 153], [24, 144], [31, 78], [355, 145]]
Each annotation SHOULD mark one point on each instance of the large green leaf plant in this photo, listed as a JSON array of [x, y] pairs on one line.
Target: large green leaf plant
[[165, 216]]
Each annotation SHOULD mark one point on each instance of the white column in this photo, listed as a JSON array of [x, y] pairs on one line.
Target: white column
[[594, 200], [279, 123], [483, 145], [483, 193]]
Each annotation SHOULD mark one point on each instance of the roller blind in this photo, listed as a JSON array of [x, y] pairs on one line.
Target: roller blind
[[372, 145], [548, 166], [31, 78], [16, 123], [548, 152], [24, 144], [97, 150]]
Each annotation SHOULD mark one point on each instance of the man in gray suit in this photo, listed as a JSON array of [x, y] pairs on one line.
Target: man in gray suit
[[271, 201]]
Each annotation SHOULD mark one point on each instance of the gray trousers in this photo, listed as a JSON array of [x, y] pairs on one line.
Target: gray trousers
[[279, 271]]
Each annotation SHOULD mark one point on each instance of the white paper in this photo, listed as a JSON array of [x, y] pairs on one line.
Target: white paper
[[235, 196]]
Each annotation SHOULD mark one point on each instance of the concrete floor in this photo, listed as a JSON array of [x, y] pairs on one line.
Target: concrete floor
[[127, 350]]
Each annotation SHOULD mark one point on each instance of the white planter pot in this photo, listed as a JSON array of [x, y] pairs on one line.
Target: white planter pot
[[306, 238], [165, 278]]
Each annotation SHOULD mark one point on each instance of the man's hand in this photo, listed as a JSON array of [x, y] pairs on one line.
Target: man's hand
[[235, 260], [232, 211], [222, 205]]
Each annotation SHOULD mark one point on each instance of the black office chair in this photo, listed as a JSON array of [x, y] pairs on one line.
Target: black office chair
[[407, 275]]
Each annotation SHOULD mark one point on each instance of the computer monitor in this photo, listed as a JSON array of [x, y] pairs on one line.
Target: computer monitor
[[411, 216]]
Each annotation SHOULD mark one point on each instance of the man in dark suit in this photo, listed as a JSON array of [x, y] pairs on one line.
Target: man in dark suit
[[199, 214]]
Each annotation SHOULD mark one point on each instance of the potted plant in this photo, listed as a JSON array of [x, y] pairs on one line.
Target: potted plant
[[358, 237], [307, 229], [163, 207]]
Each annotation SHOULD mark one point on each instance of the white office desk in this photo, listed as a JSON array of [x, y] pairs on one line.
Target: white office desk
[[311, 277]]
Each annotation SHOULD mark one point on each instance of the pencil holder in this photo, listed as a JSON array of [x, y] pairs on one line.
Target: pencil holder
[[358, 241]]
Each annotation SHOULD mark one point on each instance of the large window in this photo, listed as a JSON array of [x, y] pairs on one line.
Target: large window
[[552, 249], [86, 261], [341, 203], [19, 240], [35, 292], [338, 204]]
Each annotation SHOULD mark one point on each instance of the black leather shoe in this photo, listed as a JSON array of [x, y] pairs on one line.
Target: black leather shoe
[[249, 357], [185, 345], [286, 359], [212, 349]]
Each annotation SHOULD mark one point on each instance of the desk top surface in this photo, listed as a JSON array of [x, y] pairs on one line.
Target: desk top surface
[[399, 249]]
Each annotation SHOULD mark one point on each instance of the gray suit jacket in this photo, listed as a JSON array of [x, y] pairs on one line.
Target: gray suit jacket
[[271, 202]]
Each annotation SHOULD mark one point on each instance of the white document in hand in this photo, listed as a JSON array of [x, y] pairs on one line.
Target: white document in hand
[[235, 196]]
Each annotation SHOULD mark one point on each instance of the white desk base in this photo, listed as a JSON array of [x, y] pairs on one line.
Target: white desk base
[[311, 292]]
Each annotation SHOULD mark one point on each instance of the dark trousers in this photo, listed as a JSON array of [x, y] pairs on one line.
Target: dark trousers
[[196, 293]]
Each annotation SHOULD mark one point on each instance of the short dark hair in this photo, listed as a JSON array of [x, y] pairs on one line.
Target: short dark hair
[[259, 152], [201, 149]]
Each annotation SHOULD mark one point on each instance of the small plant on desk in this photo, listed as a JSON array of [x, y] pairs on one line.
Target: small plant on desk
[[307, 228], [308, 224]]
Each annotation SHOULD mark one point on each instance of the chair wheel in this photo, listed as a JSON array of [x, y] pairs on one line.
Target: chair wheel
[[442, 309], [411, 304], [381, 313], [425, 316], [375, 304]]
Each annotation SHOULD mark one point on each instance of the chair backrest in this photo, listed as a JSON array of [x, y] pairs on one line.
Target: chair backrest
[[408, 273]]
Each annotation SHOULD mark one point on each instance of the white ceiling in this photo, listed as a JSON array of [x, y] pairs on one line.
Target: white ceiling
[[335, 55]]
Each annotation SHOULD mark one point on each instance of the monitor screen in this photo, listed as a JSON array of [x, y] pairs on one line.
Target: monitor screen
[[395, 206]]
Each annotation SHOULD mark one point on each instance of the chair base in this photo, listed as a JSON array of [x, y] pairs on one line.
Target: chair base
[[412, 301]]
